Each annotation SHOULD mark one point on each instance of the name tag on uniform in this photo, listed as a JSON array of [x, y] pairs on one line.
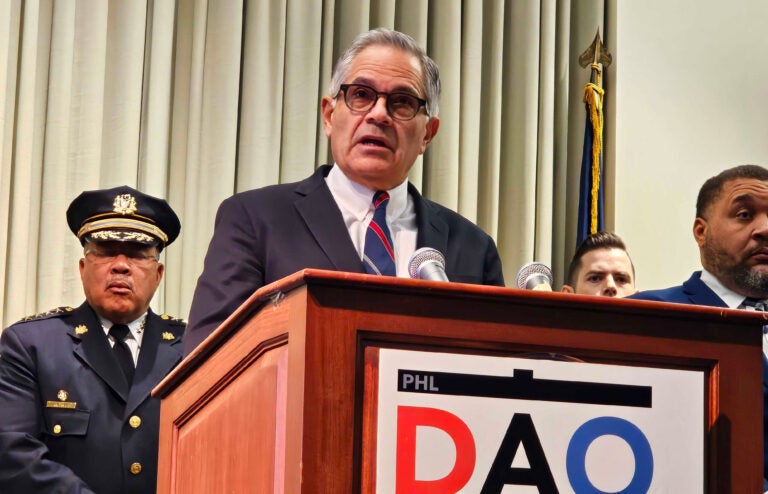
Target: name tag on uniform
[[60, 404]]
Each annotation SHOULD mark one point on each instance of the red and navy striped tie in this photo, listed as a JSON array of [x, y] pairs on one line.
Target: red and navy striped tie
[[378, 254]]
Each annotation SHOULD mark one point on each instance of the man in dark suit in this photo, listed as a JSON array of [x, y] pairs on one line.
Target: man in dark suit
[[76, 414], [731, 228], [380, 115]]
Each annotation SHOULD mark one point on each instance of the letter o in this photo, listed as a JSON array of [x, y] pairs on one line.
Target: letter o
[[575, 461]]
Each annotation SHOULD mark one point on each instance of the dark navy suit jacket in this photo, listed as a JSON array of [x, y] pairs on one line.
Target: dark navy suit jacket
[[69, 421], [694, 291], [266, 234]]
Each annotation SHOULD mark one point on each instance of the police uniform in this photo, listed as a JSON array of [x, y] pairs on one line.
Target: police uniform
[[69, 420]]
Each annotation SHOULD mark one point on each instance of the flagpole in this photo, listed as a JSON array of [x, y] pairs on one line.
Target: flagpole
[[590, 200]]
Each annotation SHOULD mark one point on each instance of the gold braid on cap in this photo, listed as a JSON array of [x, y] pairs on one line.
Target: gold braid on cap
[[123, 224], [111, 214], [123, 236]]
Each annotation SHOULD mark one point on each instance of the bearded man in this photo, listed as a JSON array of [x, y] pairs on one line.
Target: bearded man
[[731, 228]]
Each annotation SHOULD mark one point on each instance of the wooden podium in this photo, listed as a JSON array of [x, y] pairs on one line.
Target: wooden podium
[[282, 397]]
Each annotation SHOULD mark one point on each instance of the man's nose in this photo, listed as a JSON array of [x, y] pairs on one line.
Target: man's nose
[[609, 289], [121, 264], [761, 226], [378, 111]]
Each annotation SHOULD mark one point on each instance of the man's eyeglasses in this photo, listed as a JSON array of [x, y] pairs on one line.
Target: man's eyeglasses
[[136, 256], [400, 106]]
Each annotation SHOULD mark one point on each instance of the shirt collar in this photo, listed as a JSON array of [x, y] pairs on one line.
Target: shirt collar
[[358, 199], [732, 299], [135, 327]]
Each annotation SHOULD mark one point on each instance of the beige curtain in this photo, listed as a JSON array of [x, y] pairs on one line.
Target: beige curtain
[[193, 100]]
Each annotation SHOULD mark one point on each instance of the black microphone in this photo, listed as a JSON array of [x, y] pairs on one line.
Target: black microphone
[[427, 264], [535, 276]]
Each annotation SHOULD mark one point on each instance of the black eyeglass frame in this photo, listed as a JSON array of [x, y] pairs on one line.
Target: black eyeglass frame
[[422, 102]]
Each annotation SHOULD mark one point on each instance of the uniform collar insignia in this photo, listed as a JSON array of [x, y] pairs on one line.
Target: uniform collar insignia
[[167, 335], [81, 329]]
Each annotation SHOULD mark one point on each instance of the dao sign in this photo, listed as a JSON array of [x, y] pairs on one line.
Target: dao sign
[[452, 423]]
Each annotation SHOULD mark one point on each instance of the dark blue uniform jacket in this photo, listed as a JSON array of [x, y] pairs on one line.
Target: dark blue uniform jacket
[[69, 422]]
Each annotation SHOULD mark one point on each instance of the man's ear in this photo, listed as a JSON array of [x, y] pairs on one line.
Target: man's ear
[[567, 289], [431, 131], [326, 108], [160, 271], [700, 228]]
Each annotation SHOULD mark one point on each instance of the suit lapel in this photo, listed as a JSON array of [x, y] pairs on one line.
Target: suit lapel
[[321, 215], [156, 359], [433, 231], [700, 294], [319, 211], [94, 350]]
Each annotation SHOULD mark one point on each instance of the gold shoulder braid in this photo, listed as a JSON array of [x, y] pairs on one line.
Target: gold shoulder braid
[[166, 317], [45, 315]]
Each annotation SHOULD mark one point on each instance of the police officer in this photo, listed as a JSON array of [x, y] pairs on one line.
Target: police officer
[[76, 414]]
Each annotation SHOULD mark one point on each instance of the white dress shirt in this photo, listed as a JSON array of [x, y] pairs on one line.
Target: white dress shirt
[[132, 339], [356, 205]]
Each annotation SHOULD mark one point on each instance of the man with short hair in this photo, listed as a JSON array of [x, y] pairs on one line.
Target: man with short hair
[[359, 214], [731, 228], [76, 413], [601, 266]]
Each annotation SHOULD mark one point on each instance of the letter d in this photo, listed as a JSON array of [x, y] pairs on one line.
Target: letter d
[[408, 419]]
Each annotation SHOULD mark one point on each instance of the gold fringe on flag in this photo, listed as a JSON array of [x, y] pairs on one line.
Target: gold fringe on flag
[[593, 97]]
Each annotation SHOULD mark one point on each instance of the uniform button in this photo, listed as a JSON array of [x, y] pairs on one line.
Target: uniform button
[[136, 468], [57, 429], [135, 421]]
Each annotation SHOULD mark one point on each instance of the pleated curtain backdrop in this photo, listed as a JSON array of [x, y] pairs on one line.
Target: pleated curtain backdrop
[[194, 100]]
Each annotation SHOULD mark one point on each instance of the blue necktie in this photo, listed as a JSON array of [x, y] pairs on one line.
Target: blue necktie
[[378, 254]]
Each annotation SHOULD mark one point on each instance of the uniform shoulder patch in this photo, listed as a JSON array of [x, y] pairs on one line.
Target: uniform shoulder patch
[[57, 312], [173, 320], [174, 328]]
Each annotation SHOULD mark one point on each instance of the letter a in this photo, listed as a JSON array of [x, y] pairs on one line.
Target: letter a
[[408, 419], [520, 430]]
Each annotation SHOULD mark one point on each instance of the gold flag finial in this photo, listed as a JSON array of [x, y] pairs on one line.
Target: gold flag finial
[[596, 53]]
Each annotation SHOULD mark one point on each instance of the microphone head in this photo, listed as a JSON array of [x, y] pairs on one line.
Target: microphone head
[[426, 256], [536, 272]]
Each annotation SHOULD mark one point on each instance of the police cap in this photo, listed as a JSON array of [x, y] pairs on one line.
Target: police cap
[[122, 214]]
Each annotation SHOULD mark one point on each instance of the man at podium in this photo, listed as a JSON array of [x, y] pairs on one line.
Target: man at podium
[[731, 228], [359, 214]]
